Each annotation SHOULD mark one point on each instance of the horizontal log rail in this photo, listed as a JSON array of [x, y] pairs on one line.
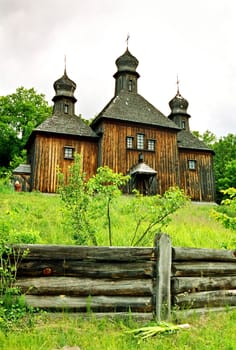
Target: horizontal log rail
[[110, 280]]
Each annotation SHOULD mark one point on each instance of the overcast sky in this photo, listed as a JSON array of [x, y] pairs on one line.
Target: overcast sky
[[195, 39]]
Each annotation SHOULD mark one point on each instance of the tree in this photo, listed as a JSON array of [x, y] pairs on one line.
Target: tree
[[226, 212], [224, 163], [207, 137], [20, 113]]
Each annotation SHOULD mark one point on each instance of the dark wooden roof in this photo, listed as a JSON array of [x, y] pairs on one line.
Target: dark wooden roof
[[132, 107], [22, 169], [67, 125], [189, 141]]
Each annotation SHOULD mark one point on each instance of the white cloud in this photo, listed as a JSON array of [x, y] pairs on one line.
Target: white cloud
[[194, 39]]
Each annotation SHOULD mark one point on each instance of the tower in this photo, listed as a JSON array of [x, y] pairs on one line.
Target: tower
[[64, 99], [179, 106], [126, 75]]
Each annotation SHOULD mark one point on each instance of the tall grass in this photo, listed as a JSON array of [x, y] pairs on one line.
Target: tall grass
[[211, 332], [41, 218]]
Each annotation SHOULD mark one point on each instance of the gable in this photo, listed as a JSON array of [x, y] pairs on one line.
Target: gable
[[132, 107]]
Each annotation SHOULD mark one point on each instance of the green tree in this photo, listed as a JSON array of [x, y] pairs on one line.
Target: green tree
[[224, 163], [20, 113], [226, 212], [106, 186], [207, 137]]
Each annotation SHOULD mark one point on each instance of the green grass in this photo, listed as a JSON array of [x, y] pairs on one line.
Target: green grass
[[40, 218], [212, 332]]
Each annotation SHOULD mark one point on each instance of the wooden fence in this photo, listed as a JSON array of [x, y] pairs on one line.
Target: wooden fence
[[148, 282]]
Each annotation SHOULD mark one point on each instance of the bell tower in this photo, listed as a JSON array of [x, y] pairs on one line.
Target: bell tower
[[126, 75], [64, 99], [179, 106]]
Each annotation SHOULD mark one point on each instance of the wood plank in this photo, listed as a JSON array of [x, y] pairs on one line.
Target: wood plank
[[95, 303], [195, 284], [163, 297], [186, 254], [206, 299], [84, 286], [203, 269], [85, 269], [136, 316], [72, 252]]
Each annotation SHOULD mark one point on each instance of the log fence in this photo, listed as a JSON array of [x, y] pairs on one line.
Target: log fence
[[146, 282]]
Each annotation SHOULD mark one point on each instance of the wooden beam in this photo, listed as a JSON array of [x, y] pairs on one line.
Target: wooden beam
[[163, 294]]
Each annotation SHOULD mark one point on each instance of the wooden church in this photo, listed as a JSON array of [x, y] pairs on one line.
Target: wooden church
[[129, 135]]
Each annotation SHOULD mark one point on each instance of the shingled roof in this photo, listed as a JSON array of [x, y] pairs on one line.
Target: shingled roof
[[132, 107], [67, 125], [187, 140]]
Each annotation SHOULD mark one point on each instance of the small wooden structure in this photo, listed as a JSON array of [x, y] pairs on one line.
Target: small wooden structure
[[148, 282]]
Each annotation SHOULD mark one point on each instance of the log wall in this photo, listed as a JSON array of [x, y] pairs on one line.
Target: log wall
[[117, 280], [203, 278]]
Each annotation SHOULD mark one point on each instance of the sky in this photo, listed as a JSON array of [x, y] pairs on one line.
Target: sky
[[191, 39]]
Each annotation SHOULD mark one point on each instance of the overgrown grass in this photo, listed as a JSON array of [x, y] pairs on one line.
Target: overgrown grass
[[211, 332], [40, 218]]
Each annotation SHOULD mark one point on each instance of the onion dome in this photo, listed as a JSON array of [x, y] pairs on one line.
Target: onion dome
[[127, 62], [178, 104], [64, 87]]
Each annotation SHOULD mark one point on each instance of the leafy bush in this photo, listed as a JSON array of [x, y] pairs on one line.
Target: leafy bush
[[12, 302], [89, 203], [226, 212]]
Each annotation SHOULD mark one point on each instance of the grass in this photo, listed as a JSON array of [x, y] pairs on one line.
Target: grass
[[40, 218], [212, 332]]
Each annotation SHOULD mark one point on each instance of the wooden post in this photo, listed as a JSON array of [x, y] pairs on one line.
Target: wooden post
[[163, 286]]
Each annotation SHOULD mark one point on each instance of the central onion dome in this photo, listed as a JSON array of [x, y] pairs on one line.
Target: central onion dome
[[65, 87], [178, 104], [127, 62]]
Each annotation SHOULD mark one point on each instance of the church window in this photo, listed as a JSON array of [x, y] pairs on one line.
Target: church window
[[68, 152], [151, 145], [183, 124], [192, 164], [140, 141], [130, 85], [129, 142], [66, 108]]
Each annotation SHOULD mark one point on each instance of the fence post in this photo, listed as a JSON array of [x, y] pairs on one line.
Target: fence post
[[163, 285]]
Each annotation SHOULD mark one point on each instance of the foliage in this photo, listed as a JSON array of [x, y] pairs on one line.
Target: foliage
[[91, 202], [224, 163], [12, 302], [74, 194], [152, 213], [226, 212], [20, 113], [207, 137], [105, 185], [224, 159]]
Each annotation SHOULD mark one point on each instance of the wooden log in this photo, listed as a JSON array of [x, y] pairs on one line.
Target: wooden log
[[203, 269], [84, 286], [86, 269], [206, 299], [163, 296], [200, 311], [197, 284], [136, 316], [94, 303], [47, 252], [186, 254]]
